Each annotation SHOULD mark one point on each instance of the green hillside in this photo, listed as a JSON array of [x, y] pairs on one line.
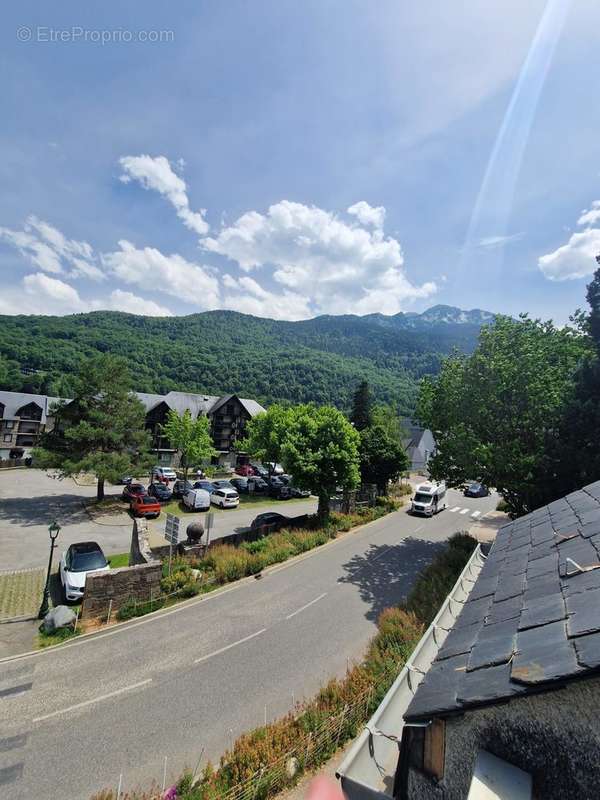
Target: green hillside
[[222, 351]]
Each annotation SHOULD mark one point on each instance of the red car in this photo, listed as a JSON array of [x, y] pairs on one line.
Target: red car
[[245, 470], [145, 506]]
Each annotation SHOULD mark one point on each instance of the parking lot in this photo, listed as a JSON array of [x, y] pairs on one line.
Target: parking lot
[[30, 499]]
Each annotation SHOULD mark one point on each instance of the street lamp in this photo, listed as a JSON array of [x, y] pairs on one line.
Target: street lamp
[[53, 530]]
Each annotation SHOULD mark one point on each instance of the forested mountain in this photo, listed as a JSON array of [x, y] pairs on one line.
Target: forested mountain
[[320, 359]]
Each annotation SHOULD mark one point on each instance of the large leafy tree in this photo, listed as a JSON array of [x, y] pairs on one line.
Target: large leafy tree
[[495, 413], [101, 431], [265, 434], [382, 457], [321, 450], [362, 407], [577, 449], [189, 437]]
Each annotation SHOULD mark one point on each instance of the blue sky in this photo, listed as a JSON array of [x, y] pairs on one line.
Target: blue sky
[[288, 159]]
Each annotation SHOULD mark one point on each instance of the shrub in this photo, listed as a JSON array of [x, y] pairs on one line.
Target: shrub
[[389, 504], [176, 580], [503, 506]]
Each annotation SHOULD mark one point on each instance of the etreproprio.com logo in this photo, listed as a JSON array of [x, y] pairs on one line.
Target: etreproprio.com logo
[[101, 36]]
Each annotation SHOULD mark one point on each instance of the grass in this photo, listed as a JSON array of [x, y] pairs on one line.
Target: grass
[[120, 560], [59, 636], [21, 592]]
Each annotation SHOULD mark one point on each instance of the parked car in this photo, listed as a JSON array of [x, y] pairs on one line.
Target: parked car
[[269, 518], [285, 478], [144, 506], [197, 500], [76, 562], [132, 490], [275, 486], [476, 490], [257, 485], [225, 498], [167, 473], [180, 487], [125, 480], [276, 469], [161, 492], [245, 470], [285, 493], [223, 483], [260, 471], [208, 486], [296, 492], [240, 485]]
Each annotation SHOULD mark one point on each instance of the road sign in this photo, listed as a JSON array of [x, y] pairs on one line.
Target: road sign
[[208, 521], [172, 529]]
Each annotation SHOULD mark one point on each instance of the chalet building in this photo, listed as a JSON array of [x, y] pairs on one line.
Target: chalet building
[[228, 414], [23, 417], [419, 444]]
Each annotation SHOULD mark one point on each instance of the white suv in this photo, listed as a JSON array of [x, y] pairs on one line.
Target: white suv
[[225, 498], [165, 472]]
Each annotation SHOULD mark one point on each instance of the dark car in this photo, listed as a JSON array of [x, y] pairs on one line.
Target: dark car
[[132, 490], [223, 483], [285, 493], [276, 485], [161, 492], [240, 485], [180, 488], [257, 485], [269, 518], [287, 479], [298, 492], [208, 486], [261, 471], [476, 490]]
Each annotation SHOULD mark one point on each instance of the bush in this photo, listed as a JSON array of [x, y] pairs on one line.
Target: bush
[[389, 504], [503, 506]]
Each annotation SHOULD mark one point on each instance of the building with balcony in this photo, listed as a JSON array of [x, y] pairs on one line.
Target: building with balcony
[[23, 418]]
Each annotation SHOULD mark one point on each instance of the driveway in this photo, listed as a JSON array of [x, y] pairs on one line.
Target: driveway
[[30, 499]]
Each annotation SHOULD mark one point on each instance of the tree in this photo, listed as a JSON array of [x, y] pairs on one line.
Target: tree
[[189, 437], [382, 458], [265, 434], [101, 431], [495, 414], [321, 450], [388, 418], [576, 445], [362, 407]]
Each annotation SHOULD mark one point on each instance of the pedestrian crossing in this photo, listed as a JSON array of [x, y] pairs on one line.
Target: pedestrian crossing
[[463, 511]]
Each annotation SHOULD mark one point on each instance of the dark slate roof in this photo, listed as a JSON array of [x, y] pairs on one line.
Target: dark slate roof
[[532, 620]]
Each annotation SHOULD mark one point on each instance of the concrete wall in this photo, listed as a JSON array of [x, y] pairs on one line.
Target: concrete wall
[[555, 736], [140, 582]]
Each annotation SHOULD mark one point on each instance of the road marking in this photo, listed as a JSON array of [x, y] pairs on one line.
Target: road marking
[[312, 602], [229, 646], [476, 513], [464, 511], [15, 690], [382, 553], [453, 510], [94, 700]]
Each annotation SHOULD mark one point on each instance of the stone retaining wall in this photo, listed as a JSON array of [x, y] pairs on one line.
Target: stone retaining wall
[[140, 582]]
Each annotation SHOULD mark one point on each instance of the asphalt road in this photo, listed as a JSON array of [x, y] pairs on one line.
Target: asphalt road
[[190, 679], [30, 499]]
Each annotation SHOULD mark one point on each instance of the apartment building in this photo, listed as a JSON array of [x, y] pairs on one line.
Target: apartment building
[[23, 417]]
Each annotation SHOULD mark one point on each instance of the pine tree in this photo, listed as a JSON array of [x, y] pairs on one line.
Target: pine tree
[[362, 407]]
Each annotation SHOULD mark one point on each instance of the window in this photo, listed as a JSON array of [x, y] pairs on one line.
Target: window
[[9, 424], [7, 437]]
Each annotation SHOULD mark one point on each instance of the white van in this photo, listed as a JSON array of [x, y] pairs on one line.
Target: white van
[[429, 499], [196, 500], [225, 498]]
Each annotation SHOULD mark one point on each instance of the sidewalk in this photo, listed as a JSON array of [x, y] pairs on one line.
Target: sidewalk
[[487, 527]]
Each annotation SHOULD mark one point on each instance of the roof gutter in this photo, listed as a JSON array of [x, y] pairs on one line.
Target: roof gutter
[[368, 771]]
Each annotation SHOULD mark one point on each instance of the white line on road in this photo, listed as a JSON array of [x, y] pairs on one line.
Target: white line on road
[[316, 600], [476, 513], [464, 511], [229, 646], [456, 508], [93, 700]]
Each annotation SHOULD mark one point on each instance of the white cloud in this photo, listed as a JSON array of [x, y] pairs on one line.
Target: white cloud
[[493, 242], [157, 174], [590, 216], [339, 266], [49, 250], [41, 294], [168, 274], [368, 215], [575, 259], [248, 297]]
